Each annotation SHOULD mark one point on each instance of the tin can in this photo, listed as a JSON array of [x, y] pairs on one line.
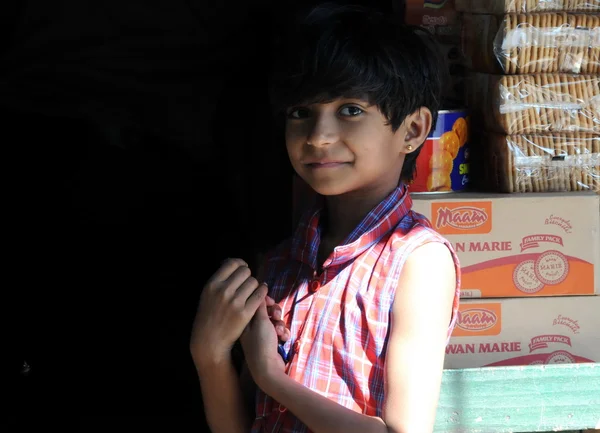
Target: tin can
[[443, 164]]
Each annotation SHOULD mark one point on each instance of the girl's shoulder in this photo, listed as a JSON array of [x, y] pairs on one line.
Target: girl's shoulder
[[413, 231]]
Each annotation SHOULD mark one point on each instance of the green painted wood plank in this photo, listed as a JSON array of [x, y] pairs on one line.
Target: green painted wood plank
[[540, 398]]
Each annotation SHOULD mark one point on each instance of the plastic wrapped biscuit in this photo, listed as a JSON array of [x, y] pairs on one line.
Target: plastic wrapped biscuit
[[544, 163], [532, 43], [548, 103], [525, 6], [539, 103]]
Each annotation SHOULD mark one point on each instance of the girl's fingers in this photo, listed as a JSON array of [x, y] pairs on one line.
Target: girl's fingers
[[228, 267], [256, 298], [282, 332], [275, 312], [286, 336], [245, 290], [233, 283]]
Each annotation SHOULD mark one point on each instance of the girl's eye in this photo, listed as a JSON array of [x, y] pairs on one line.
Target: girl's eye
[[298, 113], [351, 111]]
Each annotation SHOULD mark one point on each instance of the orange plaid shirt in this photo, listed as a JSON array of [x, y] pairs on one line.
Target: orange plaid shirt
[[339, 313]]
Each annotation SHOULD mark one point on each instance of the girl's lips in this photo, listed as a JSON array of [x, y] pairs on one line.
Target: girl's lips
[[325, 164]]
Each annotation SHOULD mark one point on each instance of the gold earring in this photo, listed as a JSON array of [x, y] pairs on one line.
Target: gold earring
[[409, 147]]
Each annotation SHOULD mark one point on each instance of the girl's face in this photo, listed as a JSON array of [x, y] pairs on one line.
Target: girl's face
[[345, 146]]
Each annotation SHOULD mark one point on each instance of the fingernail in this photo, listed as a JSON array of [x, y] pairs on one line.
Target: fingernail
[[280, 328]]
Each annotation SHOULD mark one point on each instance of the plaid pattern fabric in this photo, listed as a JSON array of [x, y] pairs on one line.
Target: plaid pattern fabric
[[339, 313]]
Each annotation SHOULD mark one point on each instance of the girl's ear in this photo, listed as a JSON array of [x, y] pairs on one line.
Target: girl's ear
[[416, 129]]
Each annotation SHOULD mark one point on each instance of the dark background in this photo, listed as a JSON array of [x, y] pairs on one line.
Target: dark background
[[139, 152]]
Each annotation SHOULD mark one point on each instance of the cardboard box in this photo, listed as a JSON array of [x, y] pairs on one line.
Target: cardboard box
[[442, 20], [438, 16], [520, 245], [501, 332]]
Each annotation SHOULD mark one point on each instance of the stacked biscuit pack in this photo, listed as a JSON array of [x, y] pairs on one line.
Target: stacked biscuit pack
[[534, 91], [528, 236], [530, 266]]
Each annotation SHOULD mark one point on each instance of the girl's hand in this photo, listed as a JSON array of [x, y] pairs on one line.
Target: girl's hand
[[259, 342], [227, 304], [276, 314]]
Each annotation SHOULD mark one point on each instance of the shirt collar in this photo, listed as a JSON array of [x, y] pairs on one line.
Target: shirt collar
[[379, 221]]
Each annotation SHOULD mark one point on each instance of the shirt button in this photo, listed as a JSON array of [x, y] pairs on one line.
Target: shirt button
[[314, 287], [296, 346]]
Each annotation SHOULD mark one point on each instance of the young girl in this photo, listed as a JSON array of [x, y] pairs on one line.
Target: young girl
[[364, 295]]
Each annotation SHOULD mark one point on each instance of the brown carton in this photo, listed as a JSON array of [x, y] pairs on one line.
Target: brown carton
[[439, 17], [442, 20], [520, 245], [501, 332]]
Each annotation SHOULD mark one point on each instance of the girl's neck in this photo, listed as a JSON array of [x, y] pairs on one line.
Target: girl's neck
[[344, 212]]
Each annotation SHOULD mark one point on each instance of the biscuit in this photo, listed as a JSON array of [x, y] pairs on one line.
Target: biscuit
[[545, 103], [537, 102], [513, 117], [594, 28], [564, 26], [591, 104], [503, 181], [551, 173], [594, 172], [508, 60], [553, 109], [509, 150], [572, 59], [585, 167], [545, 114], [586, 124], [517, 52], [569, 117], [575, 162], [533, 22], [571, 93], [526, 166], [548, 182], [544, 162], [526, 6], [548, 41], [518, 159], [585, 47], [566, 171], [537, 172]]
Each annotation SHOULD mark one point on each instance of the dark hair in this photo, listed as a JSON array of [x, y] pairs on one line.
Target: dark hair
[[355, 52]]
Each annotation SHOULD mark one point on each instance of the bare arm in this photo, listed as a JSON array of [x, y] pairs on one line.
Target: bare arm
[[224, 403], [414, 364], [227, 303], [415, 359], [320, 414]]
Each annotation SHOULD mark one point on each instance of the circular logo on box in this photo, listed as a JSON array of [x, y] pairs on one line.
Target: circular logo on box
[[560, 357], [525, 279], [551, 267]]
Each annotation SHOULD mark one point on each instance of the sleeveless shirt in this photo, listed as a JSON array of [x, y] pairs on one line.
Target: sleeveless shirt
[[338, 312]]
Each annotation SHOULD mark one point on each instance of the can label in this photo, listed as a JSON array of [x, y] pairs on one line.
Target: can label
[[443, 164]]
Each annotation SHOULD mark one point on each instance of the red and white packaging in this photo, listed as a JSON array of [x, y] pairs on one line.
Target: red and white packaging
[[520, 245], [525, 331]]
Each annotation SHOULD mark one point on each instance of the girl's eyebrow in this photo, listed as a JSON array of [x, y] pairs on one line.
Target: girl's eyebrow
[[365, 103]]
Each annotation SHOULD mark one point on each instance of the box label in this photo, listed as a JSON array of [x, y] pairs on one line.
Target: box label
[[462, 217]]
